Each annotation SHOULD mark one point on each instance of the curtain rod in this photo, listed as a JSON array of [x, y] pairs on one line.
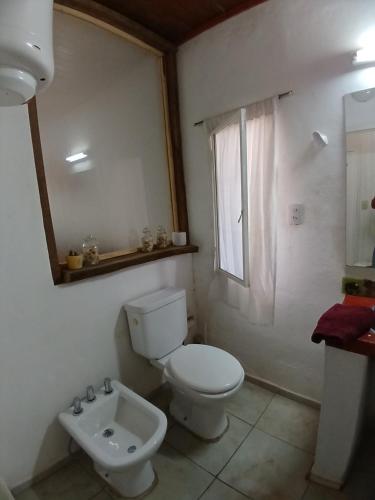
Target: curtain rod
[[280, 96]]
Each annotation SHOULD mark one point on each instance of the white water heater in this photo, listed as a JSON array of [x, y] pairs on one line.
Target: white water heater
[[26, 49]]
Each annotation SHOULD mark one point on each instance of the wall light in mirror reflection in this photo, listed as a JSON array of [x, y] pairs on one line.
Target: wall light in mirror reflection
[[76, 157], [364, 56], [366, 53], [79, 162]]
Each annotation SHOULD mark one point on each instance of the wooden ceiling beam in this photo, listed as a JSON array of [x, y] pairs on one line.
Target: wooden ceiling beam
[[95, 9]]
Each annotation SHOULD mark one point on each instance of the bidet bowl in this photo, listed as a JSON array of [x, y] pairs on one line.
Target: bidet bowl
[[118, 430]]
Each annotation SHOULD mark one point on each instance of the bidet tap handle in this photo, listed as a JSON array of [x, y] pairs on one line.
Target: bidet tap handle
[[77, 406], [90, 394], [107, 386]]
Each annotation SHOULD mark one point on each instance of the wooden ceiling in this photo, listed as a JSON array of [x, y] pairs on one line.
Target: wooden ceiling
[[179, 20]]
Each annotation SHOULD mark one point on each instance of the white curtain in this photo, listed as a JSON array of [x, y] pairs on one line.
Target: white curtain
[[258, 300]]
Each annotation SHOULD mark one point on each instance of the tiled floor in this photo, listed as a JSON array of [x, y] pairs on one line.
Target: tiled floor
[[266, 454]]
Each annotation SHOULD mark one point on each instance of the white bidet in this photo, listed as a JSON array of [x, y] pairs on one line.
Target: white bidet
[[120, 431]]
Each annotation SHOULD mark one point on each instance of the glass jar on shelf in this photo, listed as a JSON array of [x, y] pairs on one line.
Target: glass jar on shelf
[[161, 237], [90, 250], [147, 240]]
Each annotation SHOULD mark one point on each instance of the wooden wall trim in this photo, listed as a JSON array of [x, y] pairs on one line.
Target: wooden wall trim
[[94, 9], [169, 147], [43, 193], [170, 69]]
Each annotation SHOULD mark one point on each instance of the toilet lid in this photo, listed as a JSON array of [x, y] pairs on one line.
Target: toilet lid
[[205, 368]]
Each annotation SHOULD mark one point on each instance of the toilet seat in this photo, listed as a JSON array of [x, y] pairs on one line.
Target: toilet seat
[[205, 369]]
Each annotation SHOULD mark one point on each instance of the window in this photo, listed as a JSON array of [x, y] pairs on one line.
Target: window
[[231, 200], [243, 155]]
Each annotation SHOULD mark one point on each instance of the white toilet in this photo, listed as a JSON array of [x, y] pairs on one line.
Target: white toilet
[[202, 377]]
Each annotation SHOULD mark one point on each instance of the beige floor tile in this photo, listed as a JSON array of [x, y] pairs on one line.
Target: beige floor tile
[[291, 421], [317, 492], [28, 494], [69, 483], [220, 491], [85, 461], [210, 456], [266, 468], [178, 477], [249, 402], [360, 484], [103, 495]]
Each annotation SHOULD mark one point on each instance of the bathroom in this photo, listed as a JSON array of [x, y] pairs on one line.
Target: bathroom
[[57, 339]]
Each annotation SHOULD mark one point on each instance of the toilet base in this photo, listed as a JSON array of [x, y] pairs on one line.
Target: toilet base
[[131, 482], [208, 422]]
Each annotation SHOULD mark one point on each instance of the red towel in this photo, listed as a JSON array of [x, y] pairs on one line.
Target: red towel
[[341, 324]]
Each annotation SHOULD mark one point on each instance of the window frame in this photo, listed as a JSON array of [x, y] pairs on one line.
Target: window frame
[[240, 118]]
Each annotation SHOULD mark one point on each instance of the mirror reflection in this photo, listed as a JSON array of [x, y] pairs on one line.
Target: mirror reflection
[[103, 137], [360, 151]]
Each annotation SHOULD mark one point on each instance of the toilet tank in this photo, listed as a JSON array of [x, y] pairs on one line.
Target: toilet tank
[[157, 322]]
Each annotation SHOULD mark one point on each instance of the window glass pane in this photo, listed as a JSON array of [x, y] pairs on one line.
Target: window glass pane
[[228, 197]]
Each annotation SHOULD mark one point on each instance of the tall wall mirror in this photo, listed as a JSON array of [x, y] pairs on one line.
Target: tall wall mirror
[[360, 154], [105, 141]]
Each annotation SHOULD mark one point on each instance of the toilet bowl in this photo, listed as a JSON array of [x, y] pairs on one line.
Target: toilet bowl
[[120, 431], [202, 377]]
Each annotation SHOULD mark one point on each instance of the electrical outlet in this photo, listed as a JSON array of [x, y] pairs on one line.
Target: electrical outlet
[[296, 214]]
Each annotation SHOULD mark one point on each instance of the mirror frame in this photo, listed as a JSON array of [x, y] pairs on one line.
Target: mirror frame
[[120, 25]]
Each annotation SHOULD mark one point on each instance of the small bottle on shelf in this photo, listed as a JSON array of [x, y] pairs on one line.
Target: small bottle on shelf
[[161, 237], [147, 240], [90, 250]]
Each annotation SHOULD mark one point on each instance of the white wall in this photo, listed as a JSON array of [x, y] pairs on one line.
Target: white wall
[[280, 45], [54, 341]]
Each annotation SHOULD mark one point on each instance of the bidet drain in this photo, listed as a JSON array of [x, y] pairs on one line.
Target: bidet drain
[[132, 449], [108, 433]]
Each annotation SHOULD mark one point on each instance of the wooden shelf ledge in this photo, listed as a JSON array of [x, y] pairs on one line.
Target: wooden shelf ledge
[[118, 263], [364, 345]]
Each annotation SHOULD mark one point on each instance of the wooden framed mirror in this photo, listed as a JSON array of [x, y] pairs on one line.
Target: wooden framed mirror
[[107, 142]]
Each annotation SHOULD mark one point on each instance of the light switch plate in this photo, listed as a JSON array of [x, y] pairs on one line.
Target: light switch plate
[[296, 214]]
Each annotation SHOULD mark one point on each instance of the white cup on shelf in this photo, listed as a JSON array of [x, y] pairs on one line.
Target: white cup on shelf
[[179, 239]]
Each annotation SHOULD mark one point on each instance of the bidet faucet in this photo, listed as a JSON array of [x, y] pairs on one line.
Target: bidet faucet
[[107, 386], [77, 406], [90, 394]]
